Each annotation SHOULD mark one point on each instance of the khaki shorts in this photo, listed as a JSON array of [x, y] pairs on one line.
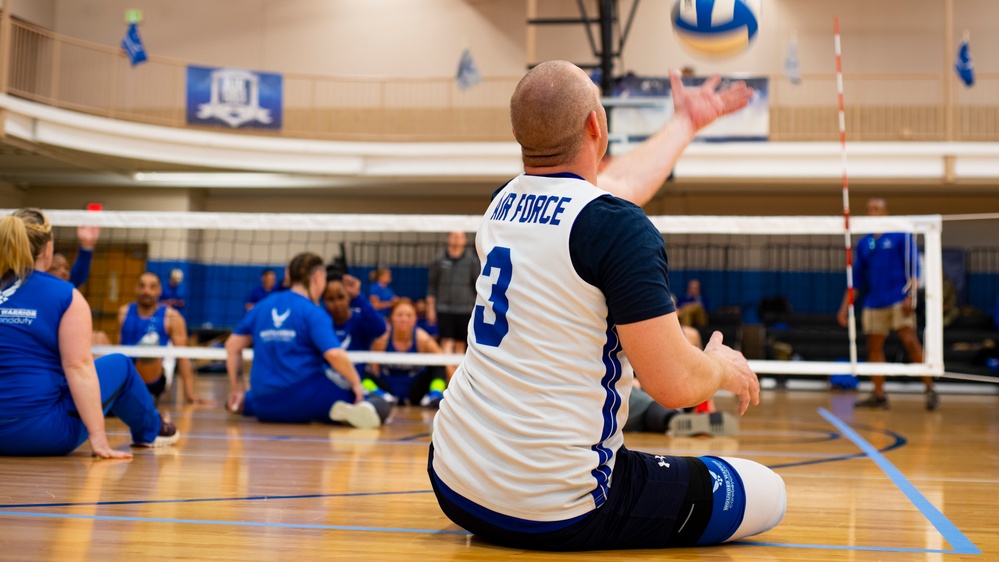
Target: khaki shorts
[[881, 321]]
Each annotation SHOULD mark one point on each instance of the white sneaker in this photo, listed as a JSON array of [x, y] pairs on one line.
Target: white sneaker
[[362, 415]]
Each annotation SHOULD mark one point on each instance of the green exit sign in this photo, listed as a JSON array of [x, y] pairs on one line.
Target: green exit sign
[[133, 16]]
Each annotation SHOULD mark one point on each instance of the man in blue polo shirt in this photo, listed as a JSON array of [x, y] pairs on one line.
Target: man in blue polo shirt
[[886, 271]]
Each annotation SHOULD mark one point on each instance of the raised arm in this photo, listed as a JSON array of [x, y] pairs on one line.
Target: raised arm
[[75, 331], [80, 272], [679, 375], [638, 175]]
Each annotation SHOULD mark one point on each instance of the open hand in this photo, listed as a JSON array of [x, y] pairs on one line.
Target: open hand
[[704, 104], [87, 235], [101, 449], [738, 378]]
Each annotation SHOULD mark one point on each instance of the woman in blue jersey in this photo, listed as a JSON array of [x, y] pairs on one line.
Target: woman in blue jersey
[[300, 373], [356, 323], [382, 296], [53, 396], [413, 384]]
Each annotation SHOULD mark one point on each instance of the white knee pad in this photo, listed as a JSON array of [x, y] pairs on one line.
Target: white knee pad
[[766, 499]]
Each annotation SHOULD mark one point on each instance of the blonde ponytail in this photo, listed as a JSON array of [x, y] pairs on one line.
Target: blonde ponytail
[[23, 236], [16, 261]]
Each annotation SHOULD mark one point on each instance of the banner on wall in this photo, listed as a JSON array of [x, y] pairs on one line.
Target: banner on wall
[[241, 99], [641, 105]]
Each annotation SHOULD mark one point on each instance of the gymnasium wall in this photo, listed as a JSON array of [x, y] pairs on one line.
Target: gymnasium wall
[[425, 38]]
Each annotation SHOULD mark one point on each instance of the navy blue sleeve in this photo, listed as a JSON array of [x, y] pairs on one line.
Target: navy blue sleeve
[[615, 248], [80, 272]]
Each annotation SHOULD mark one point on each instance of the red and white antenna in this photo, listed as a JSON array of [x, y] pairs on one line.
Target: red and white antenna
[[850, 292]]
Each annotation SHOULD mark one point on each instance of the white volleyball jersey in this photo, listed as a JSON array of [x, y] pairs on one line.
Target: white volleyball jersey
[[532, 418]]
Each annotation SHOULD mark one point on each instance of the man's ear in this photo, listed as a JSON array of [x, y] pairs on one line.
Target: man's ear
[[593, 125]]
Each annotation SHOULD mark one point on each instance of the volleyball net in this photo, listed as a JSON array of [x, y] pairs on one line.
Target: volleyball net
[[772, 285]]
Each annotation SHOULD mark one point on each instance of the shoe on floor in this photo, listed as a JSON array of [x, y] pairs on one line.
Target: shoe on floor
[[432, 399], [362, 415], [715, 424], [932, 399], [872, 401], [167, 436]]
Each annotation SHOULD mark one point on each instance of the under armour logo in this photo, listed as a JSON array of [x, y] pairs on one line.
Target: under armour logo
[[279, 318], [662, 461]]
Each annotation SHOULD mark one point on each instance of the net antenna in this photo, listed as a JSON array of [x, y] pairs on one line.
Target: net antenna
[[850, 291]]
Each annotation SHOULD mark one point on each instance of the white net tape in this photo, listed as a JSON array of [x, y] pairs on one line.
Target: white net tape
[[188, 234]]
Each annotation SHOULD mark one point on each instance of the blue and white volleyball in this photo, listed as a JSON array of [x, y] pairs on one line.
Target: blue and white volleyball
[[716, 28]]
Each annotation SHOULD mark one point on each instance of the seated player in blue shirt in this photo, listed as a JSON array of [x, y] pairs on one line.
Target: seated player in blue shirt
[[408, 383], [356, 323], [268, 285], [53, 395], [80, 272], [382, 296], [300, 373], [174, 292]]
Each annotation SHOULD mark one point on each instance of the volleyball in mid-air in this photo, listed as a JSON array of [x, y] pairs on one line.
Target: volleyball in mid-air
[[716, 28]]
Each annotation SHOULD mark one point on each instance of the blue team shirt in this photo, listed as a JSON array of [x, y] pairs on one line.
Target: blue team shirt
[[259, 293], [175, 293], [290, 335], [364, 326], [384, 294], [880, 268], [31, 376], [136, 330]]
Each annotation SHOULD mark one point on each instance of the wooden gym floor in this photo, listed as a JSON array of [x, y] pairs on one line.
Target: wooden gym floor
[[902, 484]]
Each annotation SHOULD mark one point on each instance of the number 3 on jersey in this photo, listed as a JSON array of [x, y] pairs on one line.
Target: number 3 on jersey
[[492, 334]]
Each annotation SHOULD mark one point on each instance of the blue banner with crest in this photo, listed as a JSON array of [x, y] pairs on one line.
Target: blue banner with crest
[[232, 97]]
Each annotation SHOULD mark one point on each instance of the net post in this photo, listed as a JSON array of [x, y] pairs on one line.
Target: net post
[[933, 274]]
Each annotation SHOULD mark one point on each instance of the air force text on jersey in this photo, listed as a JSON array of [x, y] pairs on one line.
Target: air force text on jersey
[[530, 208]]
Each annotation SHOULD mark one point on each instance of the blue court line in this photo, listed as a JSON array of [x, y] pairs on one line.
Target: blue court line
[[293, 438], [950, 532], [899, 442], [856, 548], [233, 523], [197, 500]]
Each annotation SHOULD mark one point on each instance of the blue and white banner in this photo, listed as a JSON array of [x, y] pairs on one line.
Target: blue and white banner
[[642, 105], [132, 45], [963, 66], [468, 74], [241, 99]]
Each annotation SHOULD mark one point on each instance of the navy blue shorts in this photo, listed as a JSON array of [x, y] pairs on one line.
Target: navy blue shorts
[[650, 505]]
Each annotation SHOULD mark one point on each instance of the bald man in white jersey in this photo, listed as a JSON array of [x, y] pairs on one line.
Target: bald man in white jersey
[[527, 448]]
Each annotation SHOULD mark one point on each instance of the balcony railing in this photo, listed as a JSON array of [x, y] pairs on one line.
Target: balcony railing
[[97, 79]]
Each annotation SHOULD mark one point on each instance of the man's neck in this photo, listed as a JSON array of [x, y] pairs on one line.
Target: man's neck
[[587, 173], [146, 310], [583, 165]]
